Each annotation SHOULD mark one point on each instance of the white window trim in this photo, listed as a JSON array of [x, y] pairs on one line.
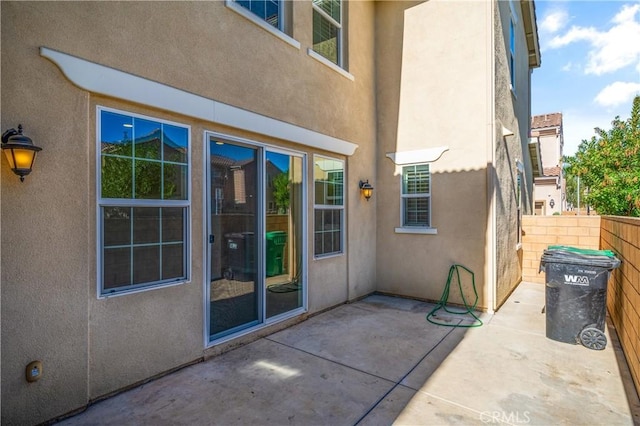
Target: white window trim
[[340, 37], [278, 32], [100, 202], [404, 229], [417, 230], [342, 207], [318, 57], [117, 84]]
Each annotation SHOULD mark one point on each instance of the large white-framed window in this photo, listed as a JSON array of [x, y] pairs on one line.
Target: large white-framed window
[[328, 31], [328, 178], [416, 196], [143, 202]]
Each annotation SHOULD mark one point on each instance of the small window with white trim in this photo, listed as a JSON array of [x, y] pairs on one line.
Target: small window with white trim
[[416, 196], [143, 202], [328, 177]]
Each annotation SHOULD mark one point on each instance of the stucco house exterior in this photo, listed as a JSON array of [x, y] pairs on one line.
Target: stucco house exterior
[[198, 184], [549, 188]]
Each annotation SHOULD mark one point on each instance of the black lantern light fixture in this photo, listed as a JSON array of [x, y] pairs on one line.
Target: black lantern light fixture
[[552, 203], [20, 151], [366, 189]]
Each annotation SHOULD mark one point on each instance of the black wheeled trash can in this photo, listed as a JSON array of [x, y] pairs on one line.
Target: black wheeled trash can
[[576, 294]]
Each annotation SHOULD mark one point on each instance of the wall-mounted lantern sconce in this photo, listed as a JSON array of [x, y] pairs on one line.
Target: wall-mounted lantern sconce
[[20, 151], [366, 189], [552, 203]]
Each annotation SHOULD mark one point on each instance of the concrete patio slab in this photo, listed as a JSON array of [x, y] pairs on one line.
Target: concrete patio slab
[[378, 362], [374, 336]]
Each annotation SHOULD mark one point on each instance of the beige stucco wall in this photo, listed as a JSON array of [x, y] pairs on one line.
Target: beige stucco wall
[[434, 91], [512, 110], [91, 346]]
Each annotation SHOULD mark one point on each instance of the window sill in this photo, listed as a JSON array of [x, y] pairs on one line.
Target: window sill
[[328, 256], [261, 23], [329, 64], [426, 231], [140, 290]]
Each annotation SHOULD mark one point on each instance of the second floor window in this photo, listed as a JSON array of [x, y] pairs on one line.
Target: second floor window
[[327, 29], [269, 10]]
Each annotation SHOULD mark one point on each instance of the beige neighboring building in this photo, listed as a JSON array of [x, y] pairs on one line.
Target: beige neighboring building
[[199, 179], [549, 189]]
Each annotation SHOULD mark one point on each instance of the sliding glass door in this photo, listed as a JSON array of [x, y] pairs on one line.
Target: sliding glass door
[[255, 235]]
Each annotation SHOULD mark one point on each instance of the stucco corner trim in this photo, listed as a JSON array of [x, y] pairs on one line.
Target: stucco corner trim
[[417, 156], [118, 84]]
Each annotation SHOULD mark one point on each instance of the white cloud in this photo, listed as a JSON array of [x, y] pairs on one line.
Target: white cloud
[[610, 50], [554, 21], [617, 93]]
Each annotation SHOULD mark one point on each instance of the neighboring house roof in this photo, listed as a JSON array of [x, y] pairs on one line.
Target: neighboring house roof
[[551, 171], [546, 120]]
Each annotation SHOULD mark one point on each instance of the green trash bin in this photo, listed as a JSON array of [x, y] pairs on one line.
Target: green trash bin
[[276, 240]]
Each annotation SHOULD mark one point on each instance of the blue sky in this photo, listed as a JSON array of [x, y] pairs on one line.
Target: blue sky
[[590, 64]]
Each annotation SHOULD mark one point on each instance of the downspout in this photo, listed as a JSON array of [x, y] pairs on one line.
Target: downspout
[[491, 189]]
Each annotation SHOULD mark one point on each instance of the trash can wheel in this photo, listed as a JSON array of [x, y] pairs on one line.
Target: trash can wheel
[[592, 338]]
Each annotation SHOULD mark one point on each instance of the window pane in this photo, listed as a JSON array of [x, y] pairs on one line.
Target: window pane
[[416, 211], [148, 179], [146, 264], [325, 38], [172, 224], [116, 267], [415, 179], [116, 132], [328, 232], [146, 225], [117, 226], [117, 177], [331, 7], [172, 261], [174, 141], [175, 182], [148, 139], [329, 181]]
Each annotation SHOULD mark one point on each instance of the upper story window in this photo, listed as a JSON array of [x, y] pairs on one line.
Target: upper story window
[[416, 196], [274, 16], [328, 29], [328, 177], [269, 10], [143, 202], [512, 53]]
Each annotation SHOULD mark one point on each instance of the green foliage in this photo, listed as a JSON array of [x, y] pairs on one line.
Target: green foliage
[[118, 173], [281, 190], [609, 165]]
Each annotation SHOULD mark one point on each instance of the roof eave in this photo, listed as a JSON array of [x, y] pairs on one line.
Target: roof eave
[[531, 32]]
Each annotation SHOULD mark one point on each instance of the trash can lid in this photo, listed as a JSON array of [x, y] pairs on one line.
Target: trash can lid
[[577, 250], [570, 255]]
